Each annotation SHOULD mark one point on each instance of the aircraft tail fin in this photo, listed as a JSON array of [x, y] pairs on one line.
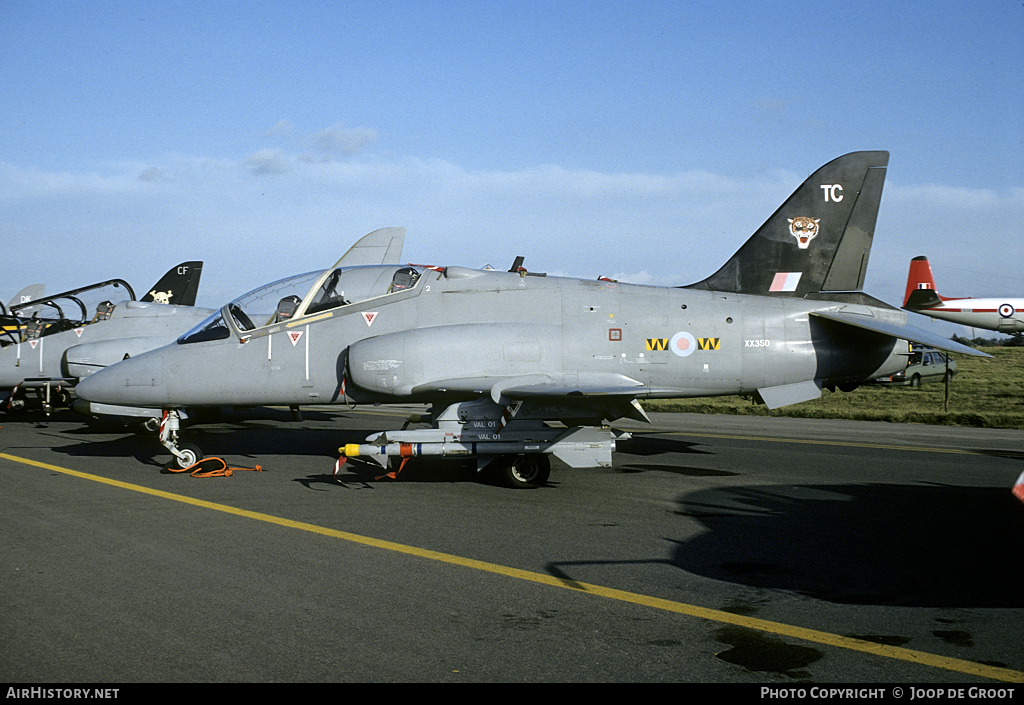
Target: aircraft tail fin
[[819, 240], [921, 292], [29, 293], [179, 286], [383, 246]]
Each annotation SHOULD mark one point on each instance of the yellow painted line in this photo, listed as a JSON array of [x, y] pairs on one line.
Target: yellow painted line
[[847, 444], [812, 635]]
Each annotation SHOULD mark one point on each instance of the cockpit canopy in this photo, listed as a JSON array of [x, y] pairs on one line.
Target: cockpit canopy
[[67, 310], [305, 295]]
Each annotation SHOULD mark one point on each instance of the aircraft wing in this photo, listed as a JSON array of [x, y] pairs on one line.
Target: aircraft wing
[[502, 389], [382, 246], [610, 385], [897, 330], [610, 389]]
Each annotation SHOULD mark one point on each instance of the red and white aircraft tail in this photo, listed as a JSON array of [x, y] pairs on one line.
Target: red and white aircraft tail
[[1005, 315], [920, 278]]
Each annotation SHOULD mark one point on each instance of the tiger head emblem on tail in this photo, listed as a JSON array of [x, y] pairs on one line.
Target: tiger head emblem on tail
[[804, 229]]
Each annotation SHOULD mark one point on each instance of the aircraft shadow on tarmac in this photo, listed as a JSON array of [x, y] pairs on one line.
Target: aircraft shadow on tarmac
[[362, 474], [920, 545], [879, 544], [648, 445], [252, 434]]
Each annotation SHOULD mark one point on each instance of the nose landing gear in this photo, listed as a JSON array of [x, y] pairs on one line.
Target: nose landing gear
[[183, 454]]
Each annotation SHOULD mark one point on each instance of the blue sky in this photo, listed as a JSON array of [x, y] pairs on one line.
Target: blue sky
[[641, 140]]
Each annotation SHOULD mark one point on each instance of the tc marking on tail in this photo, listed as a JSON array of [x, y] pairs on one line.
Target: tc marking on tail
[[833, 192]]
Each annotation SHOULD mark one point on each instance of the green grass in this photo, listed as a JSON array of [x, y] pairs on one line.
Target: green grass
[[985, 392]]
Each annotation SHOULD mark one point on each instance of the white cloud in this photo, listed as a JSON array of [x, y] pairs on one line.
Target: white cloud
[[662, 229], [939, 196], [347, 141], [153, 175], [282, 128], [20, 183], [267, 161]]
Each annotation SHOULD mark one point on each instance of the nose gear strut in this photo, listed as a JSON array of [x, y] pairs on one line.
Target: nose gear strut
[[185, 454]]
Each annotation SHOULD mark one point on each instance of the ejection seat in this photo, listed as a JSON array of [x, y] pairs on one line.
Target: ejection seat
[[286, 308]]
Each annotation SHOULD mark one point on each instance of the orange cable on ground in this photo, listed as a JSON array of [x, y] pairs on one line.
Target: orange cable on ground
[[209, 467]]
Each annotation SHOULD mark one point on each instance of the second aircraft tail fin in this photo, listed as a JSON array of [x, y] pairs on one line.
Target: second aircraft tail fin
[[179, 286], [29, 293], [921, 292]]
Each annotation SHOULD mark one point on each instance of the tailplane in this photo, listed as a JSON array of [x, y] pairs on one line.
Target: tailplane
[[179, 286], [819, 240]]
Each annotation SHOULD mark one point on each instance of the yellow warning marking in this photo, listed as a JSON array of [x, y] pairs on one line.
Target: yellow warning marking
[[812, 635]]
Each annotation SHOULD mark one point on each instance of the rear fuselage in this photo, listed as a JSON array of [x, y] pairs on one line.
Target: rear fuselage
[[1003, 315]]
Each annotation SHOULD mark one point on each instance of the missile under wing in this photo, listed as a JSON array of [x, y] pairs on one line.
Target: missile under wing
[[499, 356]]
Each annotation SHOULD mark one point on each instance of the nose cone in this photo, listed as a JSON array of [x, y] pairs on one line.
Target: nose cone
[[137, 381]]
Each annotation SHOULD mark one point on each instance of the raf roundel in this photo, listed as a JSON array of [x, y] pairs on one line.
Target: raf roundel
[[1006, 310], [683, 344]]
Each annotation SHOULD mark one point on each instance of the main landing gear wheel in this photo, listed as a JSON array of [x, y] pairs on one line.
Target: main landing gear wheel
[[522, 471], [190, 455]]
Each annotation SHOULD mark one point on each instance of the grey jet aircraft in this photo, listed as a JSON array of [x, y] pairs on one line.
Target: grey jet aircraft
[[49, 343], [499, 355], [379, 247]]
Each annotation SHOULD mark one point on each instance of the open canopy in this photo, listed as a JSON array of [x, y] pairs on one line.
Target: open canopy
[[305, 296]]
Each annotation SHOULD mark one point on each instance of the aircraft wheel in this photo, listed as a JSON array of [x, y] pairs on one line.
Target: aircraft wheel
[[522, 471], [190, 455]]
